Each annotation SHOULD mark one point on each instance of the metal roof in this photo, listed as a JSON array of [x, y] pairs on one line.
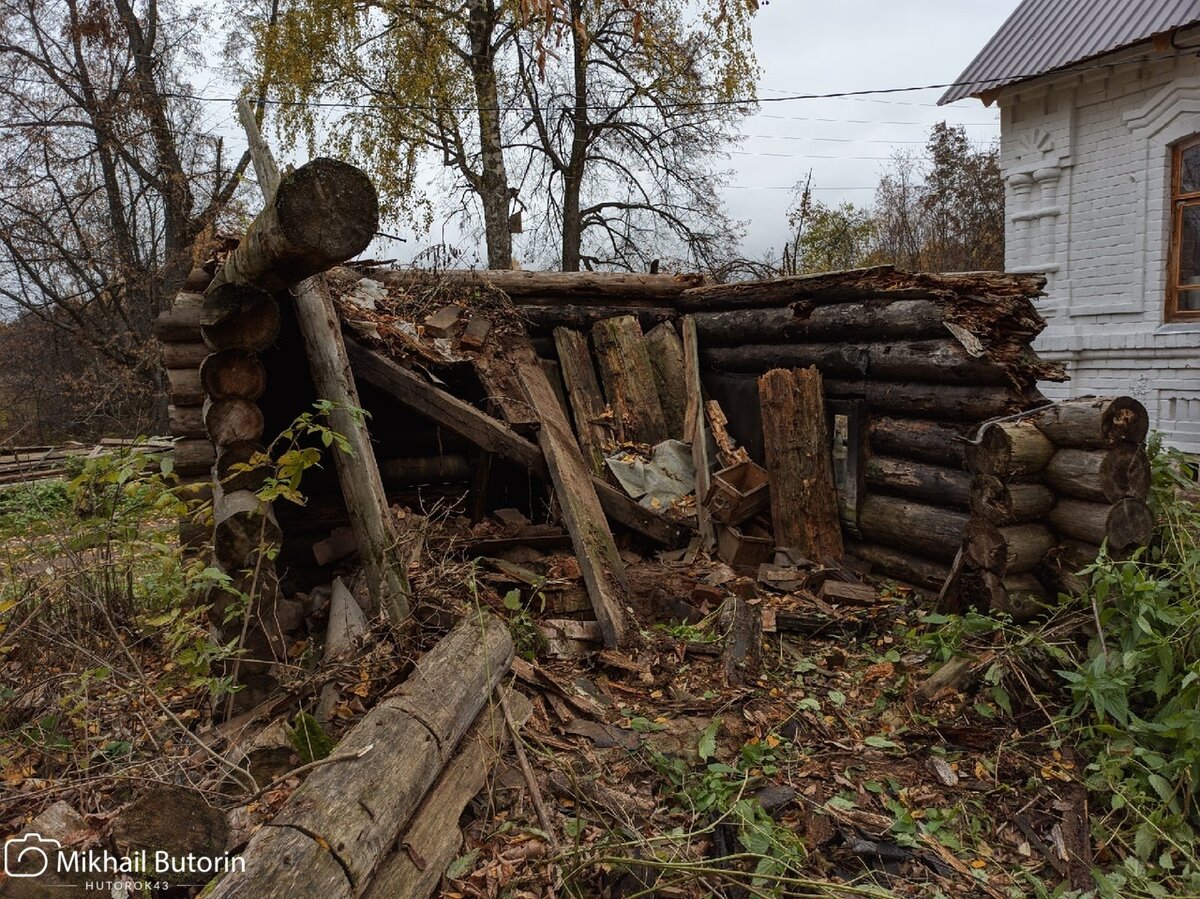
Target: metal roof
[[1043, 36]]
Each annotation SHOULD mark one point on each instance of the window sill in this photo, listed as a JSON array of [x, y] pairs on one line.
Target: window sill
[[1178, 328]]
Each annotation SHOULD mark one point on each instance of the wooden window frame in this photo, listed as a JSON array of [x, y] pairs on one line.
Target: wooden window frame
[[1179, 201]]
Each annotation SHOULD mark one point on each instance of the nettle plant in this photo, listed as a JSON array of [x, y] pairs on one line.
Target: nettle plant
[[1137, 696]]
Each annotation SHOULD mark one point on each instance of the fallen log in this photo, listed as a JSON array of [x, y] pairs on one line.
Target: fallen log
[[350, 812], [1002, 503], [900, 565], [933, 361], [533, 288], [601, 565], [432, 839], [804, 506], [940, 443], [318, 216], [917, 480], [932, 532], [665, 349], [629, 381], [1125, 525], [1010, 449], [1101, 475], [1094, 422], [233, 373]]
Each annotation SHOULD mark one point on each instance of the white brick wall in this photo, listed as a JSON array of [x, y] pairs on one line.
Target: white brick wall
[[1087, 164]]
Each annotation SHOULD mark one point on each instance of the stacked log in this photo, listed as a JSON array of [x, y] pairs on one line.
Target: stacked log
[[183, 351], [1047, 490]]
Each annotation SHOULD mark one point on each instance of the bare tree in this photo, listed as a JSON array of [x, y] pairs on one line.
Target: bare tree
[[108, 176]]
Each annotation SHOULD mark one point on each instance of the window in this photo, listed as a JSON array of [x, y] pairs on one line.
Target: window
[[1183, 285]]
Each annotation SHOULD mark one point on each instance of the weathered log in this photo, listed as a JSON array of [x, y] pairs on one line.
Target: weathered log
[[186, 421], [229, 470], [320, 215], [931, 483], [1101, 475], [933, 361], [194, 457], [1002, 503], [867, 321], [1094, 422], [233, 421], [742, 660], [1125, 525], [233, 373], [1009, 550], [355, 809], [465, 420], [1009, 449], [240, 317], [629, 380], [243, 528], [424, 470], [432, 839], [601, 565], [185, 355], [541, 319], [940, 443], [804, 507], [1020, 596], [944, 402], [181, 322], [184, 386], [549, 288], [932, 532], [900, 565], [666, 361], [592, 424]]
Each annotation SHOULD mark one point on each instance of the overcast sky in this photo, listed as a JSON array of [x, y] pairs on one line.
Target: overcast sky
[[807, 47]]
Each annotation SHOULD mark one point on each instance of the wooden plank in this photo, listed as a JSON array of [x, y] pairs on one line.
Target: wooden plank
[[442, 322], [601, 565], [696, 430], [804, 505], [666, 360], [476, 333], [629, 380], [506, 398], [485, 432], [593, 426]]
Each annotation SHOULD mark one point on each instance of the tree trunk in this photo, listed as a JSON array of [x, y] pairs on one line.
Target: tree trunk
[[575, 169], [804, 507], [1101, 475], [493, 180]]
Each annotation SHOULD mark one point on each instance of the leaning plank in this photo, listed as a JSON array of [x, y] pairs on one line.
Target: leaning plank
[[695, 429], [592, 425], [603, 570], [804, 507], [355, 808], [493, 436], [629, 380], [430, 843], [348, 215], [666, 361]]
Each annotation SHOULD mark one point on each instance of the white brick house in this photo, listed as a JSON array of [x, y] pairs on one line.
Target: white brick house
[[1099, 108]]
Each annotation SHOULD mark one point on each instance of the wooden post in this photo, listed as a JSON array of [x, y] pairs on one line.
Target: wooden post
[[696, 430], [357, 470], [666, 360], [583, 392], [629, 380], [804, 506]]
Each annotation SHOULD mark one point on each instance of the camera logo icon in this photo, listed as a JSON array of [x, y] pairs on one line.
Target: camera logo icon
[[28, 856]]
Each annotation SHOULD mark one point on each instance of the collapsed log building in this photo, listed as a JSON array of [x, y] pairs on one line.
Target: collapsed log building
[[874, 420], [511, 389]]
